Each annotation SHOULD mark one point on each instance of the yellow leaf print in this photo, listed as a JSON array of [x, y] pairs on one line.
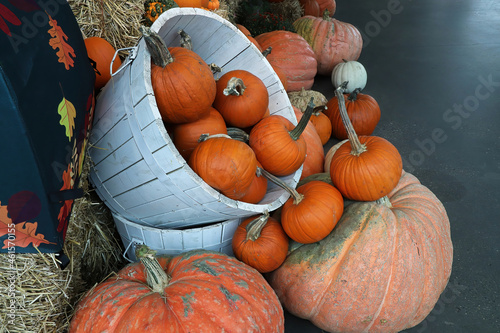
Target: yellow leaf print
[[68, 113]]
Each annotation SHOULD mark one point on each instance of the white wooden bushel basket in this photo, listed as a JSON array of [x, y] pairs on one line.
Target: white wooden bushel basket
[[136, 169]]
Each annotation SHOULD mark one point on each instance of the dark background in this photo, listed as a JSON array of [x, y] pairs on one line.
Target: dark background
[[424, 63]]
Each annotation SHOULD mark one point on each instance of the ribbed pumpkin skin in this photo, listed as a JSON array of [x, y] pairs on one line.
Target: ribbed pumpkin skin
[[293, 55], [102, 52], [257, 189], [278, 153], [243, 110], [369, 176], [316, 215], [209, 292], [364, 113], [185, 136], [267, 252], [315, 155], [225, 164], [331, 5], [331, 40], [185, 88], [380, 270]]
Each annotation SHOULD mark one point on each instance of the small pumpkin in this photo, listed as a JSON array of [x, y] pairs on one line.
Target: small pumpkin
[[209, 4], [257, 189], [248, 35], [312, 211], [382, 269], [197, 291], [293, 55], [330, 39], [278, 145], [242, 98], [301, 98], [351, 71], [362, 110], [154, 8], [261, 242], [185, 136], [315, 156], [100, 53], [365, 168], [318, 7], [322, 124], [183, 83], [226, 164]]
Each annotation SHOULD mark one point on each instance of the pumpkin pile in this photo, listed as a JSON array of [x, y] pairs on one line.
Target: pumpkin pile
[[360, 245]]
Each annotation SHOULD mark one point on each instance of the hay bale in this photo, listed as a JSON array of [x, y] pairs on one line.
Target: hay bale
[[116, 21], [45, 295]]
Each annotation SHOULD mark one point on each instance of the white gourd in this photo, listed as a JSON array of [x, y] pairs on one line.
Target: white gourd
[[353, 72]]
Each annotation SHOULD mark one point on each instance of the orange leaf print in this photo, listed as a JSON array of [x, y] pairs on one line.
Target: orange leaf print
[[58, 41], [24, 232]]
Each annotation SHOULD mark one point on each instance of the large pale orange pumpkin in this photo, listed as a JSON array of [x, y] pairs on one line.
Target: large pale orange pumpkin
[[331, 40], [381, 269], [198, 291], [293, 55]]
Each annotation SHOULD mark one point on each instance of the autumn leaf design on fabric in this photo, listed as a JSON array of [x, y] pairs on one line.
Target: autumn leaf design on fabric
[[64, 212], [7, 15], [68, 113], [58, 41], [25, 232]]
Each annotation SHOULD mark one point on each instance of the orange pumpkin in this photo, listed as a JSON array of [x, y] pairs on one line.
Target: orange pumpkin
[[278, 145], [382, 269], [281, 74], [183, 83], [315, 156], [365, 168], [330, 39], [293, 55], [185, 136], [261, 242], [257, 189], [322, 124], [312, 211], [362, 109], [242, 98], [209, 4], [226, 164], [198, 291], [100, 53]]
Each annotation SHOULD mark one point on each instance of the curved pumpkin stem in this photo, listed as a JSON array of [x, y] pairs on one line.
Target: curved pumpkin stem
[[318, 109], [238, 134], [301, 126], [354, 95], [297, 197], [267, 51], [206, 136], [156, 278], [235, 86], [254, 228], [160, 56], [357, 147], [185, 40]]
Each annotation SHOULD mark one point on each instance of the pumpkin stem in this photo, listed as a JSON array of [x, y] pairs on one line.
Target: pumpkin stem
[[254, 228], [160, 56], [185, 40], [384, 201], [206, 136], [214, 68], [238, 134], [297, 197], [156, 277], [235, 87], [354, 95], [326, 15], [301, 126], [357, 147], [318, 109], [267, 51]]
